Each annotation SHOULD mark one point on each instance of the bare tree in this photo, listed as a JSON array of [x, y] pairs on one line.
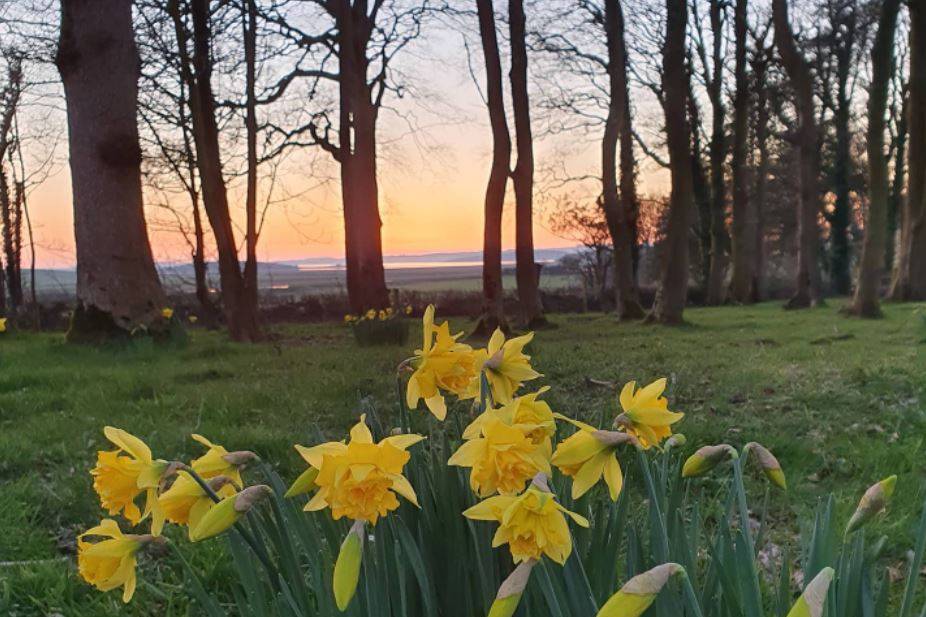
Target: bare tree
[[673, 286], [11, 211], [807, 284], [522, 176], [909, 281], [117, 284], [872, 264], [586, 224]]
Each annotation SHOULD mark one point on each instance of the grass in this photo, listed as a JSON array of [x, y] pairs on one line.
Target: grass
[[840, 402]]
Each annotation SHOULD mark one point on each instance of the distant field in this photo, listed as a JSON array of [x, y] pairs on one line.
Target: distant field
[[841, 402]]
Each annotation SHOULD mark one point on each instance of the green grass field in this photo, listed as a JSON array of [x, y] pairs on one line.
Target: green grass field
[[841, 402]]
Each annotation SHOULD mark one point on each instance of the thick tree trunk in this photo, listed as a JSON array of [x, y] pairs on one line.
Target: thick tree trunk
[[630, 202], [117, 284], [673, 288], [366, 276], [492, 309], [840, 218], [701, 190], [522, 177], [807, 280], [619, 210], [744, 287], [240, 307], [249, 35], [909, 281], [872, 263], [716, 288]]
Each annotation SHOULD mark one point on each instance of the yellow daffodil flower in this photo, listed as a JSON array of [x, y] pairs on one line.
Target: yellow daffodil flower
[[522, 410], [2, 324], [185, 502], [531, 524], [167, 312], [506, 365], [639, 593], [588, 455], [408, 309], [360, 479], [110, 563], [370, 314], [221, 516], [646, 413], [441, 365], [503, 458], [121, 475], [217, 461]]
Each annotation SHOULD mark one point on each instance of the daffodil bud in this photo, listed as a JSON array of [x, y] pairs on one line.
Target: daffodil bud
[[239, 458], [304, 483], [873, 501], [613, 438], [675, 441], [227, 512], [770, 465], [706, 458], [510, 592], [812, 601], [347, 567], [640, 592]]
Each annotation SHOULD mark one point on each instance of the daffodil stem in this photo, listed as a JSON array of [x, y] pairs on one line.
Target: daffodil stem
[[740, 490], [654, 503], [245, 535]]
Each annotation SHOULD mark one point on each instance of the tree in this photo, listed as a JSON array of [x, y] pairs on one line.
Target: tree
[[586, 224], [492, 309], [522, 176], [673, 285], [117, 284], [909, 281], [744, 285], [872, 264], [11, 210], [807, 283], [239, 300]]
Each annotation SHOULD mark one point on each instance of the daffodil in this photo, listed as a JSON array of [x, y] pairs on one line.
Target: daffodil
[[872, 503], [503, 458], [506, 366], [588, 455], [217, 461], [185, 502], [441, 365], [360, 479], [706, 458], [2, 324], [531, 524], [639, 593], [167, 312], [526, 410], [221, 516], [370, 314], [813, 599], [769, 464], [110, 563], [646, 413], [193, 318], [122, 475], [347, 566]]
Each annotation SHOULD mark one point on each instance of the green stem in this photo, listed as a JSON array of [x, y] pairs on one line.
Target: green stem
[[740, 490], [691, 596], [245, 535], [654, 503]]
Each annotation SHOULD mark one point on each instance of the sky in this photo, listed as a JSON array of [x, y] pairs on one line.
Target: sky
[[432, 180]]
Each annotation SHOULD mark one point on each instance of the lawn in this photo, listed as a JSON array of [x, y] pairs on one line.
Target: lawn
[[839, 401]]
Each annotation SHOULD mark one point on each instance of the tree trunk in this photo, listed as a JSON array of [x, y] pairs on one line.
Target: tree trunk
[[522, 177], [840, 218], [618, 210], [673, 288], [744, 287], [240, 308], [10, 205], [630, 202], [872, 263], [249, 35], [117, 284], [718, 154], [492, 308], [807, 283], [366, 276], [910, 276], [898, 182], [700, 187]]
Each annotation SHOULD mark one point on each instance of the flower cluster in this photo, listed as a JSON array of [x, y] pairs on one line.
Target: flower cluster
[[132, 483], [376, 315]]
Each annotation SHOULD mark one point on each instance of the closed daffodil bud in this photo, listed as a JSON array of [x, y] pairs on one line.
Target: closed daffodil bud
[[770, 465], [706, 458], [227, 512], [347, 567], [812, 601], [510, 592], [640, 592], [873, 501], [305, 483], [675, 441]]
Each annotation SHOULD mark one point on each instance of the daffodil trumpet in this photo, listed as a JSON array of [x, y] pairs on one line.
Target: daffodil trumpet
[[512, 588]]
